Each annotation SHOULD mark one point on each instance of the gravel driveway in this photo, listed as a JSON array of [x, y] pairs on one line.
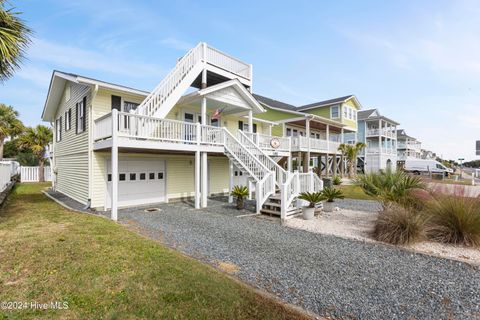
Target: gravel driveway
[[327, 275]]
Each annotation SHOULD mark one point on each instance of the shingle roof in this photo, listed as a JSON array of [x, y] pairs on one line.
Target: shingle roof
[[364, 114], [326, 102], [274, 103]]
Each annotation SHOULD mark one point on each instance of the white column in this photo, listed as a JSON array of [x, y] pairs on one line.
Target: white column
[[307, 161], [197, 180], [204, 177], [289, 163], [114, 182], [380, 136], [230, 182], [269, 130], [342, 139], [250, 121]]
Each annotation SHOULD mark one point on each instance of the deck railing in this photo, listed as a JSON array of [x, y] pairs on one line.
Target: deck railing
[[149, 128], [300, 142], [224, 61], [383, 132], [266, 142]]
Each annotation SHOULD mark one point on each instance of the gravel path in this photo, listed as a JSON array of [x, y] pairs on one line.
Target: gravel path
[[328, 275]]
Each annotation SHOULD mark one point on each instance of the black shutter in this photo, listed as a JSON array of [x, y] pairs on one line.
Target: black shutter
[[76, 117], [116, 102], [84, 119], [254, 128], [240, 125]]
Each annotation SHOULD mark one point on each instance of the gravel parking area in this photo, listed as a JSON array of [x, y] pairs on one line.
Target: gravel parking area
[[328, 275]]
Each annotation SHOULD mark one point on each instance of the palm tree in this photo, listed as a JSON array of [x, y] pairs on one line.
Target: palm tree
[[14, 39], [10, 125], [350, 152], [37, 140]]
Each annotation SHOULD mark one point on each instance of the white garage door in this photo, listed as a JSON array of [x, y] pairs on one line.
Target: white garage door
[[140, 181]]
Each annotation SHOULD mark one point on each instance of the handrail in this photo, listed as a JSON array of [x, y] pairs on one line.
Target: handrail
[[260, 165], [280, 173]]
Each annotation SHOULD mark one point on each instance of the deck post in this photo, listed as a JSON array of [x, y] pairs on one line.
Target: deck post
[[114, 186], [250, 121], [307, 162], [204, 177], [230, 181], [197, 179]]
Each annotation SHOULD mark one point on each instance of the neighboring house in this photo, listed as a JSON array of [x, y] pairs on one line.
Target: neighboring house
[[407, 147], [379, 134], [427, 154]]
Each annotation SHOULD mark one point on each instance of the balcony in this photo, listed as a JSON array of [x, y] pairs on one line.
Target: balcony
[[300, 143], [416, 146], [272, 145], [374, 132], [138, 131], [383, 150]]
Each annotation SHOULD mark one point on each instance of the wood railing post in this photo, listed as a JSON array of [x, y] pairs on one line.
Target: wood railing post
[[198, 132]]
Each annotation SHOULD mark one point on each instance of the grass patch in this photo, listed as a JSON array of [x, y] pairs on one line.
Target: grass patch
[[354, 192], [398, 225], [104, 271], [454, 219]]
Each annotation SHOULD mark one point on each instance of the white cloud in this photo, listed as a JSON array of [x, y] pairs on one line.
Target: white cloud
[[65, 56], [175, 43], [38, 75]]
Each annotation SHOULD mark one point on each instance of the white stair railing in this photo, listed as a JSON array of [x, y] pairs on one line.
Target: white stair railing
[[280, 173], [252, 164], [167, 86], [295, 184]]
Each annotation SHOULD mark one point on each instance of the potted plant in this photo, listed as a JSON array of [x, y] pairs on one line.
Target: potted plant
[[312, 198], [240, 193], [330, 194], [337, 180]]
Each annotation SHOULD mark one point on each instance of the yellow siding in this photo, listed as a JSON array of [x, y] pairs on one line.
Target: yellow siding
[[102, 103], [71, 153], [72, 176], [219, 174], [180, 175]]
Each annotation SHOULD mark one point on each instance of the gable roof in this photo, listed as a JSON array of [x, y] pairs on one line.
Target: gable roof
[[57, 85], [373, 114], [328, 102], [274, 103], [403, 134], [235, 84]]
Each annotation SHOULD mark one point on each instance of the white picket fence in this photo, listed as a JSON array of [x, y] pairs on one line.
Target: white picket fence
[[5, 175], [30, 174]]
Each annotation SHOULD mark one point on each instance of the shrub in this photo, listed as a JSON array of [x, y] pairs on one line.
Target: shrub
[[330, 194], [312, 197], [454, 219], [399, 225], [337, 180], [390, 186]]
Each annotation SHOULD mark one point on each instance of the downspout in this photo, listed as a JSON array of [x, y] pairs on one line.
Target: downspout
[[90, 146]]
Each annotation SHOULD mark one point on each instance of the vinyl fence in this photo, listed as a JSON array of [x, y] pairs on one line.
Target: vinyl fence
[[31, 174], [5, 175]]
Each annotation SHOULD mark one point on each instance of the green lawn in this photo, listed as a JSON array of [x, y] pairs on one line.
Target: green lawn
[[104, 271], [354, 192]]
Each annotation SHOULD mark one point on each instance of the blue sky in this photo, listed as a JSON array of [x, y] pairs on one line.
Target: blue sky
[[417, 61]]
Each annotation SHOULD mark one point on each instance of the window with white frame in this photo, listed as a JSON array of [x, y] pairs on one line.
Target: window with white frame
[[335, 112], [58, 129], [81, 119], [68, 119]]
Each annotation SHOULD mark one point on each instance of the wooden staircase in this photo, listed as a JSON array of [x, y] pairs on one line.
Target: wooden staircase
[[273, 206]]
